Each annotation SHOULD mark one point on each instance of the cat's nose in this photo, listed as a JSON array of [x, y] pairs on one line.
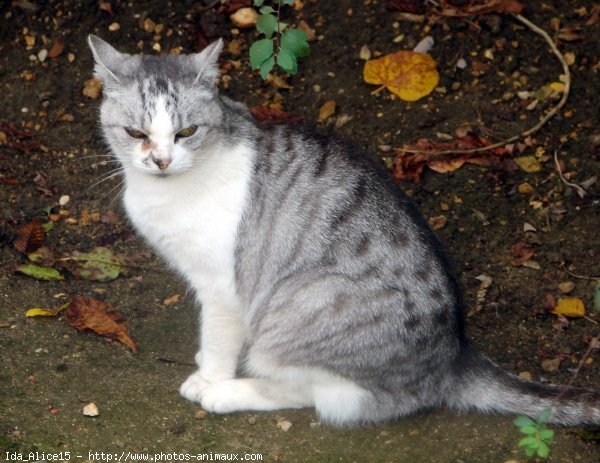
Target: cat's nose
[[161, 161]]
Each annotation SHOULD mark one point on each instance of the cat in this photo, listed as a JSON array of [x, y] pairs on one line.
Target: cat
[[316, 276]]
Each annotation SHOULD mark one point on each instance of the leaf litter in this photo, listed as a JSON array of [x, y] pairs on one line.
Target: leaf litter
[[87, 313]]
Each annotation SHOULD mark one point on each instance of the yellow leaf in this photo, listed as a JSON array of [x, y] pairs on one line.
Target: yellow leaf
[[407, 74], [327, 110], [569, 307], [528, 163], [38, 312], [557, 86]]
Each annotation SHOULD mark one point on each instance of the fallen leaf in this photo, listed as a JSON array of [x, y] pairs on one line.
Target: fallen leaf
[[425, 153], [551, 364], [172, 299], [43, 256], [407, 74], [272, 116], [569, 307], [327, 110], [38, 272], [85, 313], [528, 163], [521, 253], [57, 48], [566, 286], [38, 312], [92, 88], [100, 264], [437, 222], [29, 237]]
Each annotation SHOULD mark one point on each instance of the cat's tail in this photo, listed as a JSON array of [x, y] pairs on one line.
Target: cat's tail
[[486, 387]]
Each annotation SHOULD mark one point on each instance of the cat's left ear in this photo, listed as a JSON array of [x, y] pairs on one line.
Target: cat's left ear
[[205, 63]]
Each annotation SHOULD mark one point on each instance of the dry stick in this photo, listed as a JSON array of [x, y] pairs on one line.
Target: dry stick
[[594, 342], [549, 115], [580, 191]]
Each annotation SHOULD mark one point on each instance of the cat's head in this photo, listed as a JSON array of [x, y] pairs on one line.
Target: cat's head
[[159, 112]]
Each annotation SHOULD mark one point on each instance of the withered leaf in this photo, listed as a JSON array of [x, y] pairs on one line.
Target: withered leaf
[[521, 253], [57, 48], [30, 237], [100, 264], [272, 116], [425, 153], [86, 313]]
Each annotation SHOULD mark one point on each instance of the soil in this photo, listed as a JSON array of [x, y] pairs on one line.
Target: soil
[[50, 147]]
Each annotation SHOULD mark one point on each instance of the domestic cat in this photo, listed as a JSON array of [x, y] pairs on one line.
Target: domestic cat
[[316, 276]]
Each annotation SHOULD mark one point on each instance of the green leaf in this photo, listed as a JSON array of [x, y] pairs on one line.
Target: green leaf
[[529, 442], [288, 2], [48, 226], [543, 450], [287, 61], [260, 51], [295, 41], [267, 24], [544, 415], [528, 429], [258, 3], [522, 421], [282, 26], [530, 451], [266, 67], [266, 9], [546, 435], [100, 264], [39, 273]]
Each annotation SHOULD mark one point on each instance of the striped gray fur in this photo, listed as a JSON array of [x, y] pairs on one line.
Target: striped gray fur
[[335, 268]]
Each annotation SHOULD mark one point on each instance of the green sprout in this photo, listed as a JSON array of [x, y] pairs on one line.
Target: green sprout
[[539, 437], [280, 46]]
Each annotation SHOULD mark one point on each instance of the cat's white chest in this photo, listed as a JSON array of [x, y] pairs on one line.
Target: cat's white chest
[[191, 219]]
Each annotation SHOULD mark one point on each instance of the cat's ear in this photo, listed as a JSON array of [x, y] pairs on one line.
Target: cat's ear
[[205, 63], [108, 60]]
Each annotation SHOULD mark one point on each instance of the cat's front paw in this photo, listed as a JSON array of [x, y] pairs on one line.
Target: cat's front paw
[[193, 387]]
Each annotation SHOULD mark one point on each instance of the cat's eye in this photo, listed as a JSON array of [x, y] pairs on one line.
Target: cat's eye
[[135, 133], [187, 132]]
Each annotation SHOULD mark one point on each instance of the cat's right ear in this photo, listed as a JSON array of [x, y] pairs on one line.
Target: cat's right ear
[[108, 60]]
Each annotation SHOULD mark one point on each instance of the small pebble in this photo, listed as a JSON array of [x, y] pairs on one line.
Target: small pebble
[[91, 409], [284, 425], [114, 27], [42, 55], [64, 200]]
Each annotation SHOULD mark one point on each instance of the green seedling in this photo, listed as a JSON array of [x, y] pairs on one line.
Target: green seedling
[[539, 437], [281, 45]]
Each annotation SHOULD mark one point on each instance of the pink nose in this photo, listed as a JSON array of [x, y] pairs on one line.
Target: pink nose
[[161, 162]]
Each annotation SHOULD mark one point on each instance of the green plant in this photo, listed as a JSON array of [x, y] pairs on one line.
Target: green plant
[[539, 437], [280, 46]]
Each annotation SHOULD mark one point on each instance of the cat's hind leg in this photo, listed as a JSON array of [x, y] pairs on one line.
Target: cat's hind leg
[[246, 394]]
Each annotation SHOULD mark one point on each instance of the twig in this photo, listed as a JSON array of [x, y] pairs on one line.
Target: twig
[[549, 115], [580, 191], [581, 277], [173, 361], [594, 342]]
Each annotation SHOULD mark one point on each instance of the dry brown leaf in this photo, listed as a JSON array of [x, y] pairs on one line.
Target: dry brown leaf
[[29, 237], [521, 253], [86, 313], [272, 116], [92, 88], [57, 48], [327, 110], [410, 165]]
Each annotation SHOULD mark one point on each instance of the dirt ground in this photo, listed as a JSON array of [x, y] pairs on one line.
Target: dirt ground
[[50, 148]]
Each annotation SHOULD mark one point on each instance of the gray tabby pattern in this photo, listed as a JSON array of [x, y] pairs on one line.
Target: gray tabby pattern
[[335, 270]]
